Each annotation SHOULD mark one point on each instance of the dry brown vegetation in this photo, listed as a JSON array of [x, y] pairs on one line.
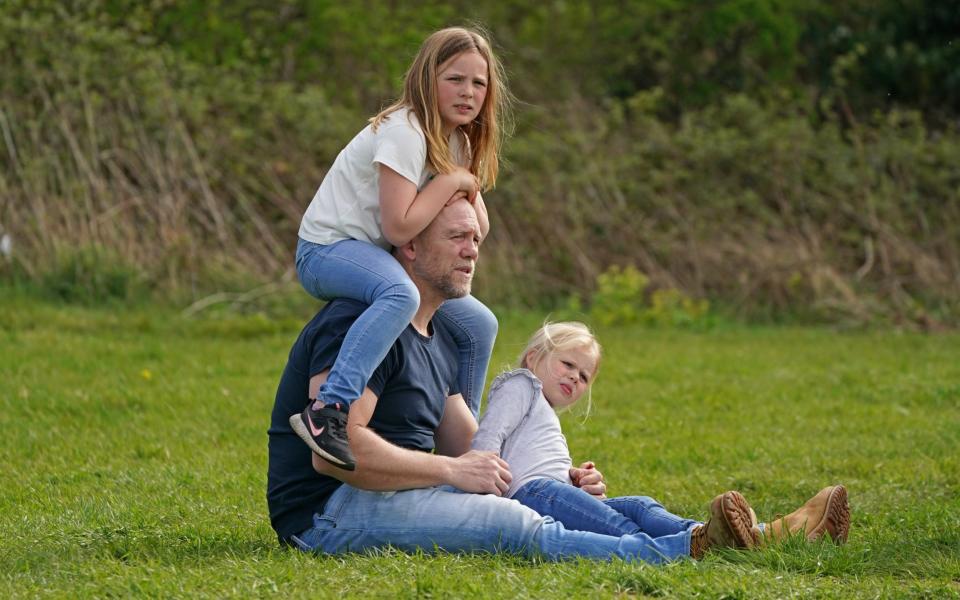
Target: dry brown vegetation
[[124, 167]]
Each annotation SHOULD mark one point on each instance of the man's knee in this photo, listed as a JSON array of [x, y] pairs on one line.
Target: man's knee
[[514, 525]]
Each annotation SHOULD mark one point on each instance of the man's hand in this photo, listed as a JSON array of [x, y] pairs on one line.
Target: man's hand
[[589, 479], [480, 473]]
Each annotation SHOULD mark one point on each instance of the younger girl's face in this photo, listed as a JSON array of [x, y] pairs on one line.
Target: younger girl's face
[[461, 89], [566, 375]]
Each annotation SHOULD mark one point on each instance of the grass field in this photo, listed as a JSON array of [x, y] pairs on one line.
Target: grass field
[[134, 460]]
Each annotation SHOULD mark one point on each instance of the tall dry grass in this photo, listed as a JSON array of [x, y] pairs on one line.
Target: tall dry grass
[[192, 181], [747, 203], [180, 175]]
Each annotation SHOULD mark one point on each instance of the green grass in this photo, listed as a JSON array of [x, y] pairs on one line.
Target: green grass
[[134, 460]]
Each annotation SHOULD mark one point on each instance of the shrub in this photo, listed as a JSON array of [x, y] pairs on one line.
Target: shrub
[[120, 131], [619, 297], [622, 298], [92, 275]]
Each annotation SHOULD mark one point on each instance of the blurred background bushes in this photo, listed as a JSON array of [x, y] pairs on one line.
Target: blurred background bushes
[[778, 158]]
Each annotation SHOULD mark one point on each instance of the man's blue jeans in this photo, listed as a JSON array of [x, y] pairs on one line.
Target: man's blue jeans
[[367, 273], [626, 515], [443, 518]]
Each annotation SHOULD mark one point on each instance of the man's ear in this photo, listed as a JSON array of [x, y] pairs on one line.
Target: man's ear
[[408, 250]]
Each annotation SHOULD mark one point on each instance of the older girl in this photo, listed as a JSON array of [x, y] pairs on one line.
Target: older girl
[[440, 142]]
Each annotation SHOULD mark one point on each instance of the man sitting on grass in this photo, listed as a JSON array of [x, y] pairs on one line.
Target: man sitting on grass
[[417, 484]]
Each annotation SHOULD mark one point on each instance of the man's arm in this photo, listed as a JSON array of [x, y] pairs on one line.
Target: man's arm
[[482, 218], [453, 438], [456, 429], [382, 466]]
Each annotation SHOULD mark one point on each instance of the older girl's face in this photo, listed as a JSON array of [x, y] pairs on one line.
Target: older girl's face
[[566, 375], [461, 89]]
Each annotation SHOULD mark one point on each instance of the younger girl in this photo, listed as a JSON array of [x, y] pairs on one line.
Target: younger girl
[[557, 368], [439, 143]]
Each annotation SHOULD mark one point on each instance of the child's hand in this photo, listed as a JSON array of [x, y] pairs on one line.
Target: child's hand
[[460, 195], [589, 479], [467, 182]]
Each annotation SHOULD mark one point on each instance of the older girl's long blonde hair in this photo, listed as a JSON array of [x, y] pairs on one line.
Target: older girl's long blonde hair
[[485, 134]]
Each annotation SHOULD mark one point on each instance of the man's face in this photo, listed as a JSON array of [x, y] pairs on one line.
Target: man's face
[[446, 251]]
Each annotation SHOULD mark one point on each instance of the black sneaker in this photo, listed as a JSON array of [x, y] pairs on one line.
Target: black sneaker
[[325, 431]]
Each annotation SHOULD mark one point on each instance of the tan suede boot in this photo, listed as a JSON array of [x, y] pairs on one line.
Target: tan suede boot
[[732, 524], [827, 512]]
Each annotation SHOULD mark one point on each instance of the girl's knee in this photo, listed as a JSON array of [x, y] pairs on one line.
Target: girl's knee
[[308, 281], [492, 323], [405, 295], [486, 320]]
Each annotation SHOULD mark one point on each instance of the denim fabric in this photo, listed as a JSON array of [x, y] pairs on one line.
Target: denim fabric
[[474, 327], [367, 273], [625, 515], [441, 518]]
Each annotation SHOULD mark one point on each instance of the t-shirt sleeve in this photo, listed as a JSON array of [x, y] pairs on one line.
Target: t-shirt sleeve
[[402, 147], [387, 369], [508, 402], [328, 333]]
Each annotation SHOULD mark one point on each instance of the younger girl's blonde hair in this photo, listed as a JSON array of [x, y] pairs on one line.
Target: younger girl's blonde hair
[[485, 134], [564, 335]]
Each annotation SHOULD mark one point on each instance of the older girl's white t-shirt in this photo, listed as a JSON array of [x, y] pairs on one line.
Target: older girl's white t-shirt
[[347, 204]]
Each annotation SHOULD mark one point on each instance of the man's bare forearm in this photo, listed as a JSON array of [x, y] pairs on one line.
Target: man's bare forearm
[[383, 467]]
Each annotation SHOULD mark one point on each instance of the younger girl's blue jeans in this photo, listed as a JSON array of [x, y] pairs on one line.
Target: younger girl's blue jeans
[[669, 535], [367, 273]]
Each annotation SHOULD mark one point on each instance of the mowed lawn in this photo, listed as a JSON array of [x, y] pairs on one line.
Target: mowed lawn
[[134, 460]]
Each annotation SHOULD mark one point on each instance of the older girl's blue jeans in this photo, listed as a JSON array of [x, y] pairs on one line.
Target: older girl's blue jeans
[[443, 518], [626, 515], [367, 273]]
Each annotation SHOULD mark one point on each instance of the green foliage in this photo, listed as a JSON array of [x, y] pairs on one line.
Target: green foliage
[[622, 298], [93, 275], [673, 308], [619, 298], [742, 202], [371, 43], [696, 52], [867, 55], [729, 150], [150, 480]]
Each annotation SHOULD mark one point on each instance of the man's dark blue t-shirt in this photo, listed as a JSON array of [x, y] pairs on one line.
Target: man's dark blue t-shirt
[[412, 384]]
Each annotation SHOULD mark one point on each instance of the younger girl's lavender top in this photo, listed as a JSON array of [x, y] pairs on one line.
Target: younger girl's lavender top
[[522, 426]]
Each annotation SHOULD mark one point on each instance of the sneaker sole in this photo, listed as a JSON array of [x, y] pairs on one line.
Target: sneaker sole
[[836, 517], [296, 422], [739, 518]]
